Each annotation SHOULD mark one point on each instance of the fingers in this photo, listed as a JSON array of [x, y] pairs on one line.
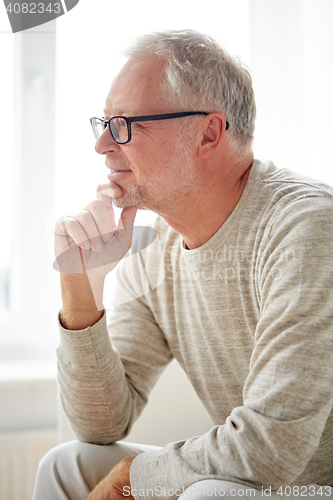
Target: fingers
[[111, 190], [89, 227], [127, 217], [82, 229], [105, 193], [95, 224], [103, 217], [127, 222]]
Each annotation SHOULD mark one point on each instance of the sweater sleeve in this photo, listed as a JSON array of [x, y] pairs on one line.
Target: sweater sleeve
[[288, 394], [105, 382]]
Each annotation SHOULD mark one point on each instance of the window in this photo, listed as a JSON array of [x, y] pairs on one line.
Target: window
[[48, 163], [290, 60], [7, 171], [27, 317]]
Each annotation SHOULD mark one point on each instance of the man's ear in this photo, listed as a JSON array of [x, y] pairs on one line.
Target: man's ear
[[212, 133]]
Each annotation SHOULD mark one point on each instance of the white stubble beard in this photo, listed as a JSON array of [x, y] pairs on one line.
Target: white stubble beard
[[175, 180]]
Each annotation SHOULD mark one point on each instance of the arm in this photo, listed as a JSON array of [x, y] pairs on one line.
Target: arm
[[288, 394], [102, 391], [105, 383], [79, 309]]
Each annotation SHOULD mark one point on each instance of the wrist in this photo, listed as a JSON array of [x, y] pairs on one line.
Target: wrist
[[79, 309], [78, 319]]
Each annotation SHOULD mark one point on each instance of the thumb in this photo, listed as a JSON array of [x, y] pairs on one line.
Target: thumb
[[106, 194], [126, 222], [127, 216]]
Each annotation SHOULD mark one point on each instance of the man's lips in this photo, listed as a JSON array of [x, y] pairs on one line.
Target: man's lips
[[114, 173], [119, 170]]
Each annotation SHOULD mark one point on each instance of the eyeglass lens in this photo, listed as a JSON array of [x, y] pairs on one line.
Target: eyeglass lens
[[98, 127], [118, 127]]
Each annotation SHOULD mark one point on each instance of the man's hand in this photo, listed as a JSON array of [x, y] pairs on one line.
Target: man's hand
[[112, 486], [89, 241], [88, 245]]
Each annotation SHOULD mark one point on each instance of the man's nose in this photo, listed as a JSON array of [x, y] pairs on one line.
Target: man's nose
[[105, 142]]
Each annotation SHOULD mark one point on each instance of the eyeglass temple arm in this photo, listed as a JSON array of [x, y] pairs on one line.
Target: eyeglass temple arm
[[169, 116]]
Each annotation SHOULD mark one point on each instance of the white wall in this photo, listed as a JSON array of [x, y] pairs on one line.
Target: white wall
[[291, 48]]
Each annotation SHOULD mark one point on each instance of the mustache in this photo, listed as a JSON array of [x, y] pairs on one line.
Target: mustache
[[117, 164]]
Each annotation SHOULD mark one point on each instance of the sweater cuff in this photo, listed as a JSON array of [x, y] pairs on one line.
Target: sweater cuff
[[82, 346], [98, 323]]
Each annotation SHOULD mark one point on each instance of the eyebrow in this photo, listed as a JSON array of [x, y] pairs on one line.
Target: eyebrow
[[120, 112]]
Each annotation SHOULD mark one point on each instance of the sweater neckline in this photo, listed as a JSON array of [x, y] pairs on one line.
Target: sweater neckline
[[192, 257]]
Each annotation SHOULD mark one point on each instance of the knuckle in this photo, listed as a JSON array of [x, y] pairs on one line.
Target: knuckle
[[60, 223], [70, 225], [77, 214], [75, 231], [81, 237], [86, 216], [94, 205]]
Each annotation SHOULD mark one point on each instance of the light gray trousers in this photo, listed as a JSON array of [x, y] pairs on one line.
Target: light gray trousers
[[70, 471]]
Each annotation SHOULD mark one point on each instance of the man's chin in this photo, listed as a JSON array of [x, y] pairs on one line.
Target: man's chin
[[119, 203], [130, 199], [126, 202]]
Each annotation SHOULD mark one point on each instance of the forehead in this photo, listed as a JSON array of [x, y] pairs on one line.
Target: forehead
[[137, 88]]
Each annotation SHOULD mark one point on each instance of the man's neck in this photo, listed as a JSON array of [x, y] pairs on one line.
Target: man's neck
[[203, 212]]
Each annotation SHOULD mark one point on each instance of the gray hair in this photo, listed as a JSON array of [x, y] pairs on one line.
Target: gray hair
[[202, 76]]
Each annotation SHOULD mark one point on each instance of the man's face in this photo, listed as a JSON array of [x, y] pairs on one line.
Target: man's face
[[155, 169]]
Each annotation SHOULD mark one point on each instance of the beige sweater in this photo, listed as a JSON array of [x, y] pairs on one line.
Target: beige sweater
[[249, 317]]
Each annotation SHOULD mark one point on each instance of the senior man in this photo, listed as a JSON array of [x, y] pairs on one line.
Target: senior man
[[245, 306]]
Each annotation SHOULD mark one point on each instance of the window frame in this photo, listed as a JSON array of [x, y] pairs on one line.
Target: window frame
[[31, 315]]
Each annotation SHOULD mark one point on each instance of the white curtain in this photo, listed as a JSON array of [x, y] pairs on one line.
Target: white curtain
[[291, 60]]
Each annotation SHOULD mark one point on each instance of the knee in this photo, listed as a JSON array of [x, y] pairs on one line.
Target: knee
[[59, 459], [59, 474], [77, 466]]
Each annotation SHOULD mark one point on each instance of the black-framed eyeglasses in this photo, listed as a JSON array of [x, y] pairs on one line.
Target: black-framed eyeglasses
[[120, 126]]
